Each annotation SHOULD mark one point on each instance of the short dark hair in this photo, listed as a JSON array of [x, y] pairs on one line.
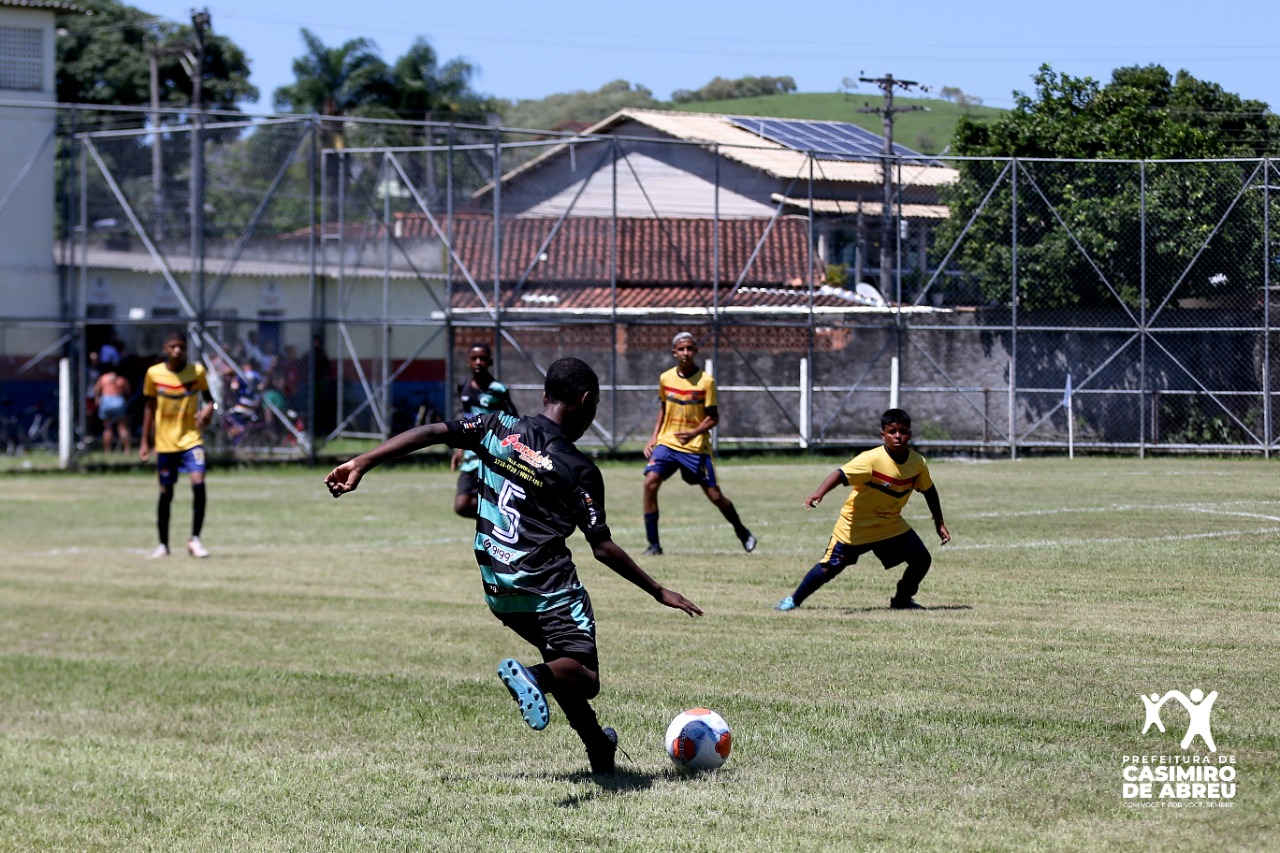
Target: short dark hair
[[568, 379], [895, 416], [482, 346], [175, 335]]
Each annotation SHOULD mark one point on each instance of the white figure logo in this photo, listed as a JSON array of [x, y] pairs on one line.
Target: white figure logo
[[1198, 708]]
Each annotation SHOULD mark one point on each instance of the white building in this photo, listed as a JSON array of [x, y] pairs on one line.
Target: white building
[[28, 277]]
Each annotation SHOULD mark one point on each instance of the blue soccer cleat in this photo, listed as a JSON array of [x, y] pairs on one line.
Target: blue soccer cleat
[[525, 690], [785, 604]]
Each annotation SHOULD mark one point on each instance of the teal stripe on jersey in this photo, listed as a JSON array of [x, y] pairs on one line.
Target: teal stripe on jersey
[[502, 553], [540, 603]]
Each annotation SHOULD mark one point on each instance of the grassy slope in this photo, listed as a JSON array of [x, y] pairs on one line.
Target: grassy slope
[[927, 132], [325, 681]]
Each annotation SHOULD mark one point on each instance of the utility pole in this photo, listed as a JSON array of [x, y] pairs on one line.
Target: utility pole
[[888, 234], [200, 21]]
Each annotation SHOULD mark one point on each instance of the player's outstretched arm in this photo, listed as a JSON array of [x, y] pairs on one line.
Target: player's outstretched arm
[[835, 478], [346, 477], [612, 555]]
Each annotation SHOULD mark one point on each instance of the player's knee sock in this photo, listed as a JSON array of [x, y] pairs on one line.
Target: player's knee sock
[[162, 517], [197, 508], [813, 581], [582, 718], [912, 576], [730, 514], [651, 527]]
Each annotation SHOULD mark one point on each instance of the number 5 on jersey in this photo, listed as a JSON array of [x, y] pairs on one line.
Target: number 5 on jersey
[[509, 494]]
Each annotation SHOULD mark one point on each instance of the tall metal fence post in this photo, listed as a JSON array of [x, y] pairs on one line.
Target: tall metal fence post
[[806, 380], [1013, 313], [1266, 309], [497, 250], [451, 331], [317, 324], [1142, 308], [614, 436]]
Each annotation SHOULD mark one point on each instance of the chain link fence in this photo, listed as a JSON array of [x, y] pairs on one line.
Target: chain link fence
[[329, 274]]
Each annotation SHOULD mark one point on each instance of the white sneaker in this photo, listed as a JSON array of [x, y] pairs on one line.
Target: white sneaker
[[160, 551], [196, 548]]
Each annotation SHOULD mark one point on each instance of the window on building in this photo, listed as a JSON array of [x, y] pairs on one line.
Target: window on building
[[21, 59]]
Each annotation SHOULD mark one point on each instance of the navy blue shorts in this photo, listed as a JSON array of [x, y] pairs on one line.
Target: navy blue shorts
[[695, 469], [169, 464], [903, 548], [565, 632]]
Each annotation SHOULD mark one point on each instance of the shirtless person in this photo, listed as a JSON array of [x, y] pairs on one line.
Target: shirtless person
[[112, 391]]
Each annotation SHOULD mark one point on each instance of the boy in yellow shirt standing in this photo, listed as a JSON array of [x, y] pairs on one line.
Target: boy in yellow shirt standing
[[681, 441], [174, 391], [871, 520]]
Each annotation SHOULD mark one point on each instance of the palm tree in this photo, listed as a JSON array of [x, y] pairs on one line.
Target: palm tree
[[425, 89], [336, 82]]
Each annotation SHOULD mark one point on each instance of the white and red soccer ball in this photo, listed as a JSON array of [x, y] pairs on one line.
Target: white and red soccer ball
[[699, 739]]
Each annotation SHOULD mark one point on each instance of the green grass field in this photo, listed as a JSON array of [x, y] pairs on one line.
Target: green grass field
[[326, 680]]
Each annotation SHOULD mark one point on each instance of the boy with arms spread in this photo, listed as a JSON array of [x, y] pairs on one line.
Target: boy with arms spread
[[536, 487], [681, 440], [871, 520], [480, 394], [174, 390]]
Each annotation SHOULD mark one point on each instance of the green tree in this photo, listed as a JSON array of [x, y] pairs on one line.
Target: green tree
[[426, 89], [720, 89], [104, 58], [1079, 223], [336, 82], [576, 110]]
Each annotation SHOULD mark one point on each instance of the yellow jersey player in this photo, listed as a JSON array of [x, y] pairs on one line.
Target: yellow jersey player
[[871, 520], [178, 407], [681, 441]]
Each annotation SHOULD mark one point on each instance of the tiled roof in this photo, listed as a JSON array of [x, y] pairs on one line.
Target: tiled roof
[[752, 150], [663, 265], [649, 251]]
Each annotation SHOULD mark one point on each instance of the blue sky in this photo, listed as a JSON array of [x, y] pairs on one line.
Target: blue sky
[[987, 49]]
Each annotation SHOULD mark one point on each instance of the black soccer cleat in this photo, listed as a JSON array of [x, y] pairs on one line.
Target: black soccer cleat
[[602, 755], [654, 550], [905, 604]]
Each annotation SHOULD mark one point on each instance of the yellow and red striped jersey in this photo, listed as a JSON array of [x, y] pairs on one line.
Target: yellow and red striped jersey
[[178, 398], [881, 488], [685, 404]]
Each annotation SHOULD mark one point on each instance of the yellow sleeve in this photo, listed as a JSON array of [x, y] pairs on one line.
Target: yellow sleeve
[[857, 470]]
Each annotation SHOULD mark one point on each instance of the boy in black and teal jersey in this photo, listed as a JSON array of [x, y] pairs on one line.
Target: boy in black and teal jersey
[[536, 489], [480, 394]]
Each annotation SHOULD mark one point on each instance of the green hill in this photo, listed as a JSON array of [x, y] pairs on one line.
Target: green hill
[[926, 132]]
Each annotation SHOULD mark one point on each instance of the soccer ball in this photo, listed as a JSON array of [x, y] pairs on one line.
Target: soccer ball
[[699, 739]]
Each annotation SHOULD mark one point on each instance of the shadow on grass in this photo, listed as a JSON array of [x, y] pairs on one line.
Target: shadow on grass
[[930, 609], [621, 782]]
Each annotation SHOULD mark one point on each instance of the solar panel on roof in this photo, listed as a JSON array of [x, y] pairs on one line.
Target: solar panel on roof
[[826, 140]]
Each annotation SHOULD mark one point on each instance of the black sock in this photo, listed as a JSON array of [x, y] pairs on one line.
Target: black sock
[[651, 527], [730, 514], [812, 582], [162, 517], [197, 509]]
